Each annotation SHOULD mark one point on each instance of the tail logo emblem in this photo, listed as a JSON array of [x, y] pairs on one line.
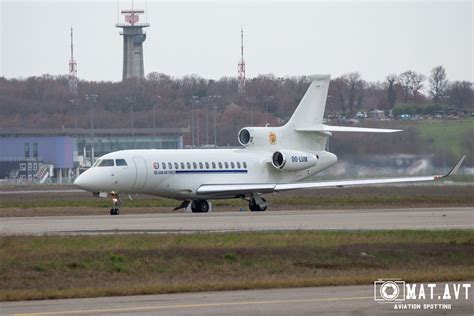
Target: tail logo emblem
[[272, 138]]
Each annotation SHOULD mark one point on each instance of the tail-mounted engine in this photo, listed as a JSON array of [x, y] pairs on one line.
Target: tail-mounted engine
[[258, 136], [290, 160]]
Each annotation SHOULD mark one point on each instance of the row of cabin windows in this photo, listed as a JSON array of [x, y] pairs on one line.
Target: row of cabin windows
[[188, 165], [203, 165]]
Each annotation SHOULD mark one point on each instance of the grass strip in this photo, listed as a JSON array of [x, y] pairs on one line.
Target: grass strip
[[316, 201], [88, 266]]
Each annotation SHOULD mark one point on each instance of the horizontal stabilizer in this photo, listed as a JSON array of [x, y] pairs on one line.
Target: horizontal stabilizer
[[329, 128]]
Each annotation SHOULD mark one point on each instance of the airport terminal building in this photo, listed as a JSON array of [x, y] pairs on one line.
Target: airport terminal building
[[57, 155]]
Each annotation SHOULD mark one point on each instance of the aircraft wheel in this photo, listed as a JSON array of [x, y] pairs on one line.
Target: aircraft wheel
[[114, 211], [254, 207], [200, 206]]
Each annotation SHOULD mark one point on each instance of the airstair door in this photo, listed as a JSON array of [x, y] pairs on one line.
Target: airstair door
[[141, 174]]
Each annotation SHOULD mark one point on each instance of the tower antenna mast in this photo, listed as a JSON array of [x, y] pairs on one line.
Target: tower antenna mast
[[72, 70], [241, 66]]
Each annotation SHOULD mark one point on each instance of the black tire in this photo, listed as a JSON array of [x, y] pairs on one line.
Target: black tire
[[200, 206], [254, 207], [114, 211]]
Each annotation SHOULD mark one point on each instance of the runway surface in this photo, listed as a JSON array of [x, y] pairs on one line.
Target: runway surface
[[337, 300], [426, 218], [22, 192]]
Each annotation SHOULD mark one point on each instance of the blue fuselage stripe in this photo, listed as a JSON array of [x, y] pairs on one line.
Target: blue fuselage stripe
[[211, 171]]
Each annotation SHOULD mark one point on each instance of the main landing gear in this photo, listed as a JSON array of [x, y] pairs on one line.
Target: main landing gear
[[197, 206], [257, 203], [116, 202], [200, 206]]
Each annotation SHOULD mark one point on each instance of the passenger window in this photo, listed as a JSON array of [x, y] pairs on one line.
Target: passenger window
[[163, 165], [245, 165], [170, 166], [120, 162], [232, 165], [238, 164], [220, 165], [176, 166], [207, 165], [200, 165], [182, 165], [213, 165], [106, 163], [188, 164], [195, 165], [226, 165]]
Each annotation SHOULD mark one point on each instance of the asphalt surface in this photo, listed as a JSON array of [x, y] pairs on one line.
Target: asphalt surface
[[429, 218], [22, 192], [336, 300]]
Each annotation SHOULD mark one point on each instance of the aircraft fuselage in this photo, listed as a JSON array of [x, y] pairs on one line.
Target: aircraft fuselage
[[178, 174]]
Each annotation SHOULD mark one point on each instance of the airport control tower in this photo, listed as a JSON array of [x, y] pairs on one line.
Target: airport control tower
[[133, 38]]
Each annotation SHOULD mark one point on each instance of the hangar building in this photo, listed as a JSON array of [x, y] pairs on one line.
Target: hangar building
[[57, 155]]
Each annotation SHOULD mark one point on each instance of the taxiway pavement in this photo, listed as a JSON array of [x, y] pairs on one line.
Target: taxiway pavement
[[334, 300], [374, 219]]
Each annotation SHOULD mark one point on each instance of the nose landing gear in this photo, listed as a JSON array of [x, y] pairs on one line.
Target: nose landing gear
[[116, 202]]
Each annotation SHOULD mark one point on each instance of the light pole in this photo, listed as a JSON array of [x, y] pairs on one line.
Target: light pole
[[207, 123], [215, 126], [197, 125], [266, 100], [195, 136], [92, 99], [131, 102], [251, 114], [154, 120], [154, 116], [74, 103], [192, 123]]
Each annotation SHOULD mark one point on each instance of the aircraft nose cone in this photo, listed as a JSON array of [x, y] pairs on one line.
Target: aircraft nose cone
[[81, 182]]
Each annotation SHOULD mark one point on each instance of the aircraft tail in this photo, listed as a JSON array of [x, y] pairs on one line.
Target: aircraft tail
[[306, 124], [310, 111], [308, 116]]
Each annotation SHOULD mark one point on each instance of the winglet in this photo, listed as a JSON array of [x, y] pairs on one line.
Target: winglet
[[454, 169]]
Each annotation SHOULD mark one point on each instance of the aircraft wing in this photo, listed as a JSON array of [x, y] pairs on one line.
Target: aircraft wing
[[226, 189]]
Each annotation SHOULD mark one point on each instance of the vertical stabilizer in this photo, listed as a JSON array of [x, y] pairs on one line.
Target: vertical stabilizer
[[310, 111]]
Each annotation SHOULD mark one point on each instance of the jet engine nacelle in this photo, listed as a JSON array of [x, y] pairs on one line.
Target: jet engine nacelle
[[258, 136], [291, 160]]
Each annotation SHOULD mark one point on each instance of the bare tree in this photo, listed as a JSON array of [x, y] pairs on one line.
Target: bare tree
[[405, 82], [438, 83], [352, 91], [336, 97], [416, 80], [391, 91], [461, 95]]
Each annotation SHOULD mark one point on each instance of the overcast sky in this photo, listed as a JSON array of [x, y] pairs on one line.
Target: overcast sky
[[375, 38]]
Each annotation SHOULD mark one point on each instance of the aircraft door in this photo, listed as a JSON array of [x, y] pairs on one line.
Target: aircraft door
[[141, 174]]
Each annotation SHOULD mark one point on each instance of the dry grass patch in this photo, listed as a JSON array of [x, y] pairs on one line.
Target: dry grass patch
[[85, 266]]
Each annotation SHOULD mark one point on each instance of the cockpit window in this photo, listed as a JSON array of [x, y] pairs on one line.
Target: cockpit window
[[120, 162], [106, 163], [96, 163]]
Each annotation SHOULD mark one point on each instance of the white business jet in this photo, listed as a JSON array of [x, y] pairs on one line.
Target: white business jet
[[272, 159]]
